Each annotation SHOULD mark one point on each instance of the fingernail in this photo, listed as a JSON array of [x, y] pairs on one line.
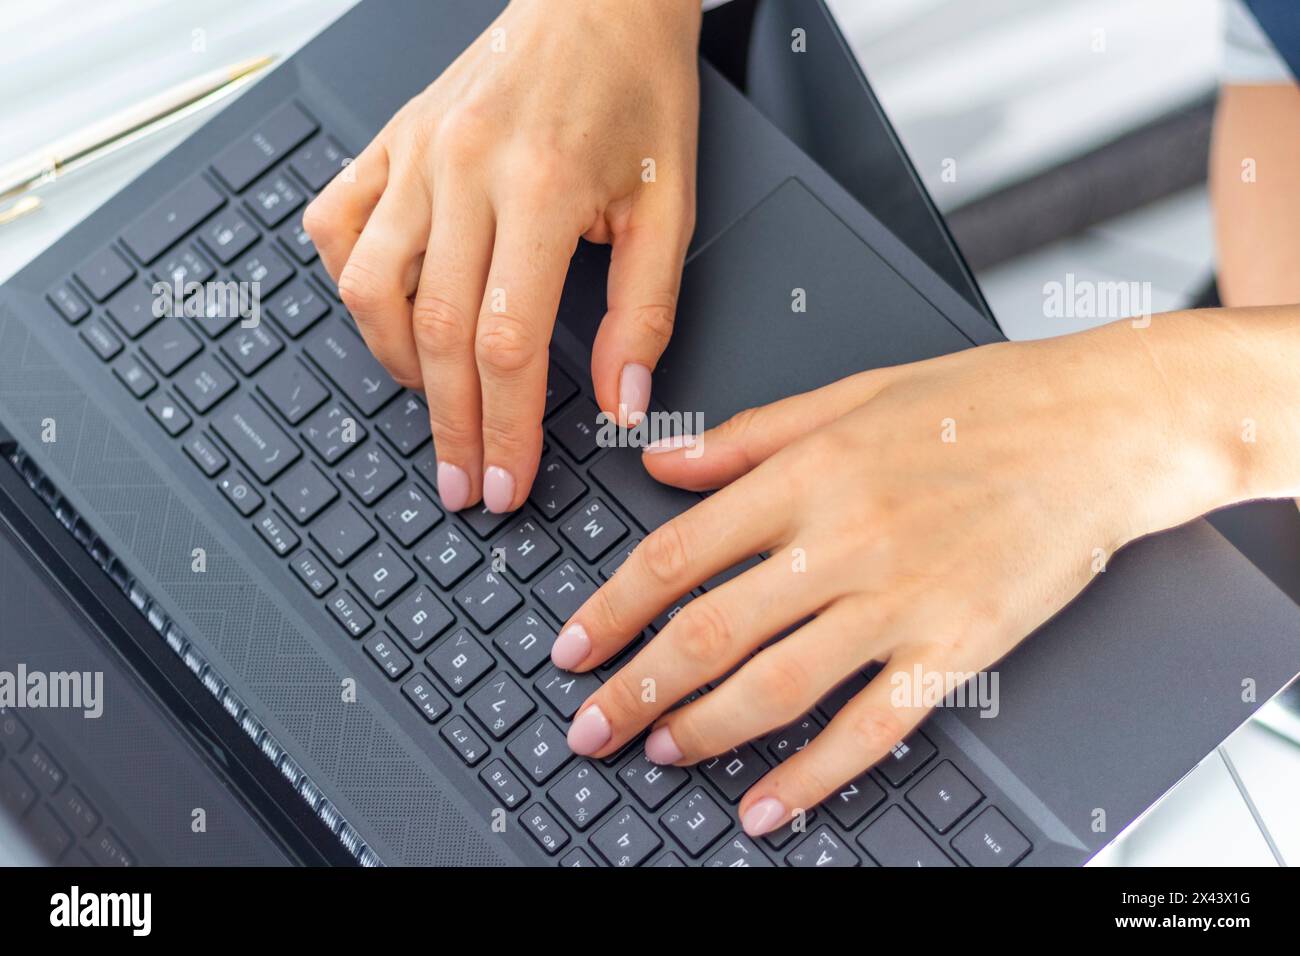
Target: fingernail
[[763, 816], [453, 486], [633, 393], [589, 732], [660, 748], [671, 443], [498, 489], [571, 647]]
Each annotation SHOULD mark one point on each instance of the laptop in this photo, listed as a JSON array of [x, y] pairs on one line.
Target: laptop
[[376, 687]]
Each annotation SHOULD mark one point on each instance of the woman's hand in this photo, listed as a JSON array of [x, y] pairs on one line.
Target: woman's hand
[[450, 235], [927, 516]]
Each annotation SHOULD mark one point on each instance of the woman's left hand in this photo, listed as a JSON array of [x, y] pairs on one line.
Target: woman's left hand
[[926, 516]]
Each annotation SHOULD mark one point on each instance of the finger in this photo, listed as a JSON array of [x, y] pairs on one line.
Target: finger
[[778, 686], [645, 275], [530, 261], [380, 275], [336, 217], [710, 636], [444, 317], [719, 532], [744, 441], [858, 737]]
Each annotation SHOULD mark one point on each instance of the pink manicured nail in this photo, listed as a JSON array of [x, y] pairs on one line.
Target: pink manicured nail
[[672, 443], [571, 647], [660, 748], [633, 393], [763, 816], [453, 486], [589, 732], [498, 489]]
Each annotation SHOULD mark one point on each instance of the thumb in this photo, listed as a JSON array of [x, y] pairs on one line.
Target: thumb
[[748, 438]]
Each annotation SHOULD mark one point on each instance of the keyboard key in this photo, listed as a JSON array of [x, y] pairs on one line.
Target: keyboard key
[[696, 821], [540, 750], [41, 769], [240, 493], [593, 529], [276, 532], [16, 791], [525, 548], [133, 309], [894, 840], [669, 859], [298, 241], [68, 303], [291, 389], [312, 572], [104, 273], [482, 521], [380, 575], [565, 691], [504, 784], [564, 590], [319, 161], [408, 513], [556, 488], [342, 532], [738, 851], [614, 563], [905, 758], [102, 339], [51, 837], [204, 383], [332, 432], [179, 212], [304, 491], [577, 858], [735, 771], [168, 413], [381, 649], [254, 438], [447, 555], [788, 741], [372, 474], [944, 796], [169, 345], [626, 840], [549, 835], [405, 423], [131, 372], [650, 783], [650, 503], [420, 617], [468, 745], [273, 198], [184, 265], [77, 812], [852, 802], [830, 705], [349, 612], [346, 362], [297, 307], [107, 849], [263, 269], [576, 429], [14, 733], [822, 848], [274, 138], [500, 705], [488, 599], [420, 692], [459, 661], [526, 642], [583, 795], [204, 453], [991, 840], [250, 348], [559, 389], [228, 235]]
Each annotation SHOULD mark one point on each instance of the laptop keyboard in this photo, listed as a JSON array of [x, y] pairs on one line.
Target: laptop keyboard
[[330, 463]]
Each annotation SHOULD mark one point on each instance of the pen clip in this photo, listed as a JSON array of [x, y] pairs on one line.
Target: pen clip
[[19, 209]]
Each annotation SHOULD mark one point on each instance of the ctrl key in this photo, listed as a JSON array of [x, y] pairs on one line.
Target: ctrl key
[[549, 835], [991, 840]]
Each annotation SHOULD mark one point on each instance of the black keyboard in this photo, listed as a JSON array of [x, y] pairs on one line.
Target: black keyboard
[[330, 463]]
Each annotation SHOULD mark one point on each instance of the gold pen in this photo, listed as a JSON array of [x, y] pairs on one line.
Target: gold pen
[[117, 132]]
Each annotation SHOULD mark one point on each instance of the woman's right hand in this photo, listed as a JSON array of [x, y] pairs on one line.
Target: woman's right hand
[[450, 235]]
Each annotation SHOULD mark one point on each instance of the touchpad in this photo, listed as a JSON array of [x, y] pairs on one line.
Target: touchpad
[[786, 300]]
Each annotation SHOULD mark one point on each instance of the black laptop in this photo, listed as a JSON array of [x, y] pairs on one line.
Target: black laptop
[[189, 481]]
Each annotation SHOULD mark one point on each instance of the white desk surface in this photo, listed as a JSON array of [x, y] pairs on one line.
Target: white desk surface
[[78, 60]]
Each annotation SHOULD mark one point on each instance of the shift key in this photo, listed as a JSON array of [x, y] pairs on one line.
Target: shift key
[[349, 364], [255, 438]]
